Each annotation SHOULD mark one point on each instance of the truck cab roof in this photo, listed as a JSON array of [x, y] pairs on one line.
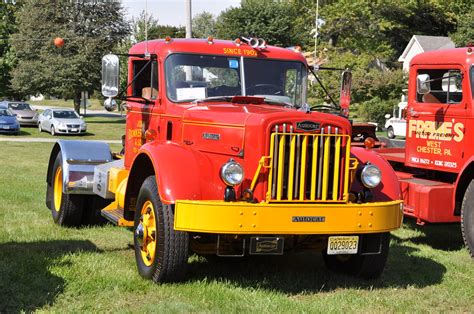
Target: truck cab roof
[[446, 56]]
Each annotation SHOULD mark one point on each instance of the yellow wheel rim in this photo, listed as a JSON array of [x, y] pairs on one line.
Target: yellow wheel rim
[[58, 188], [148, 248]]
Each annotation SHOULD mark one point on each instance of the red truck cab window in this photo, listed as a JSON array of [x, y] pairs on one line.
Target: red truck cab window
[[446, 87], [146, 82]]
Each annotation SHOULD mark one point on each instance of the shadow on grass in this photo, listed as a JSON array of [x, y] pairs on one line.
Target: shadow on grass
[[301, 273], [445, 237], [26, 283]]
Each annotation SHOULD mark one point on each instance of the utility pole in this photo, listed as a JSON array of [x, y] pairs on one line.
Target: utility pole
[[189, 30], [189, 34]]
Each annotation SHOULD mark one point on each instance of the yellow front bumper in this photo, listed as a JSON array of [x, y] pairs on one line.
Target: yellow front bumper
[[290, 218]]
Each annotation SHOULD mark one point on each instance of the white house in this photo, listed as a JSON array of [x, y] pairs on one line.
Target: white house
[[421, 43]]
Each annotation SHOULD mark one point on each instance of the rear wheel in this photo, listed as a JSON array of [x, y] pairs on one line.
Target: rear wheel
[[467, 218], [53, 132], [390, 132], [66, 209], [363, 266], [160, 251]]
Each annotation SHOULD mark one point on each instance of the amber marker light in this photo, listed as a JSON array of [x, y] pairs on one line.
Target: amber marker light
[[210, 40], [369, 143], [167, 39], [237, 42]]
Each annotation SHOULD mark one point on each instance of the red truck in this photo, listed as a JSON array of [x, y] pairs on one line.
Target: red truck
[[436, 166], [224, 157]]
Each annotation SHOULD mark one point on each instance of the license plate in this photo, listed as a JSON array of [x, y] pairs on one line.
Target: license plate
[[6, 127], [73, 130], [343, 245]]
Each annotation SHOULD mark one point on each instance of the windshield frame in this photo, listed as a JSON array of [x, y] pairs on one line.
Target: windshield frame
[[304, 74]]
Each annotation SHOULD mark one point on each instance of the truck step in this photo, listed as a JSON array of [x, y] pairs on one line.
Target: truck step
[[115, 216], [427, 200]]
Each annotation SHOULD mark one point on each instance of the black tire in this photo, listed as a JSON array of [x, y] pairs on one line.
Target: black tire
[[53, 132], [363, 266], [66, 209], [467, 218], [390, 132], [40, 129], [167, 260]]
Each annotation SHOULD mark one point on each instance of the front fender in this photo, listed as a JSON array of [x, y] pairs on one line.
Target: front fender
[[179, 170], [389, 188]]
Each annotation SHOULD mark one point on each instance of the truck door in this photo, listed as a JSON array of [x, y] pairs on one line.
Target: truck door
[[142, 95], [436, 117]]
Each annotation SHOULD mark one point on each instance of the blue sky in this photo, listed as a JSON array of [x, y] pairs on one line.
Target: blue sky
[[171, 12]]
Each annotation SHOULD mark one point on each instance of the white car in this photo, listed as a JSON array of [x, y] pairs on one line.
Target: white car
[[397, 124], [61, 121]]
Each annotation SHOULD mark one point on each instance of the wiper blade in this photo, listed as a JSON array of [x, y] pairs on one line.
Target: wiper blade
[[215, 98], [277, 102]]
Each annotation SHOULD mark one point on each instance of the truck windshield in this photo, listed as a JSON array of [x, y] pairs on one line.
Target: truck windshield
[[193, 77]]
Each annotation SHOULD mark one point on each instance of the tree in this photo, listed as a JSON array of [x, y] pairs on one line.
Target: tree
[[90, 30], [204, 25], [7, 58], [154, 29], [267, 19], [464, 33]]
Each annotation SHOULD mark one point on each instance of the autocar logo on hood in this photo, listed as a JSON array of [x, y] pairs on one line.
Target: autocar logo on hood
[[308, 126]]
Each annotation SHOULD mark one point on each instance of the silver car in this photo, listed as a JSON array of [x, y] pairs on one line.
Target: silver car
[[61, 121], [25, 114]]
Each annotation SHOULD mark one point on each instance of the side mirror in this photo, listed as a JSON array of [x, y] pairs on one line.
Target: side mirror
[[110, 104], [387, 116], [423, 84], [345, 97], [110, 75]]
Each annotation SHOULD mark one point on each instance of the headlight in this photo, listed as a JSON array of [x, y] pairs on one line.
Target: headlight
[[232, 173], [371, 176]]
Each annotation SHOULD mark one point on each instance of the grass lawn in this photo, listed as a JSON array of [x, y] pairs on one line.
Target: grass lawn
[[98, 128], [50, 268], [95, 104]]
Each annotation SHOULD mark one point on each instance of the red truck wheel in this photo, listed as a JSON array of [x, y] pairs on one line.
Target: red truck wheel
[[467, 218], [66, 209], [363, 266], [160, 251]]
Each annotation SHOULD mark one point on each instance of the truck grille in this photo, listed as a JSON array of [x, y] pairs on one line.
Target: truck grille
[[307, 167]]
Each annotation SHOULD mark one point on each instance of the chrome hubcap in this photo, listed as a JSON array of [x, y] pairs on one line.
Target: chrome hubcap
[[139, 233]]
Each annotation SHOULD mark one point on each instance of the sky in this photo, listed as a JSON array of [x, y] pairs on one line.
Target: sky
[[171, 12]]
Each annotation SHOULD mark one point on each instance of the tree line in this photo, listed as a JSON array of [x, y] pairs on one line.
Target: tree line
[[366, 37]]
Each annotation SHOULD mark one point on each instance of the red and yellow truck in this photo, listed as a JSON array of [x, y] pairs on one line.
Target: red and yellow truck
[[223, 157], [436, 166]]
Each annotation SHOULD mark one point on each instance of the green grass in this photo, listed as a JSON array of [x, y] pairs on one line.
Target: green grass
[[95, 104], [50, 268], [98, 128]]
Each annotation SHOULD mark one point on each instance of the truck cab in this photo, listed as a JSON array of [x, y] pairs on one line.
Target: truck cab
[[224, 157], [436, 167], [396, 124]]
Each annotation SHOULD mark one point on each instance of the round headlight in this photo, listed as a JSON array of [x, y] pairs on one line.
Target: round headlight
[[371, 176], [232, 173]]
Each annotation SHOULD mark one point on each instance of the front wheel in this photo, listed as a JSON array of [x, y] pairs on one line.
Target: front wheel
[[53, 132], [160, 251], [40, 129], [358, 265], [467, 218], [390, 132]]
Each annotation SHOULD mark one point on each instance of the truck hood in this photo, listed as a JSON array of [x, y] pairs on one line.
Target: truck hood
[[223, 127]]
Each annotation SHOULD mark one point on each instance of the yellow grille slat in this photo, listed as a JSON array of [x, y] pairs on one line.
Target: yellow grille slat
[[291, 172], [337, 157], [303, 167], [281, 166], [313, 169]]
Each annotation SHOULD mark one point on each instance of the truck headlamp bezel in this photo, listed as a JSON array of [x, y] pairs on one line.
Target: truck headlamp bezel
[[232, 173], [371, 176]]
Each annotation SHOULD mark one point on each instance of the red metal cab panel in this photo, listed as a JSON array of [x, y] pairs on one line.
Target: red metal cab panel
[[436, 126]]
